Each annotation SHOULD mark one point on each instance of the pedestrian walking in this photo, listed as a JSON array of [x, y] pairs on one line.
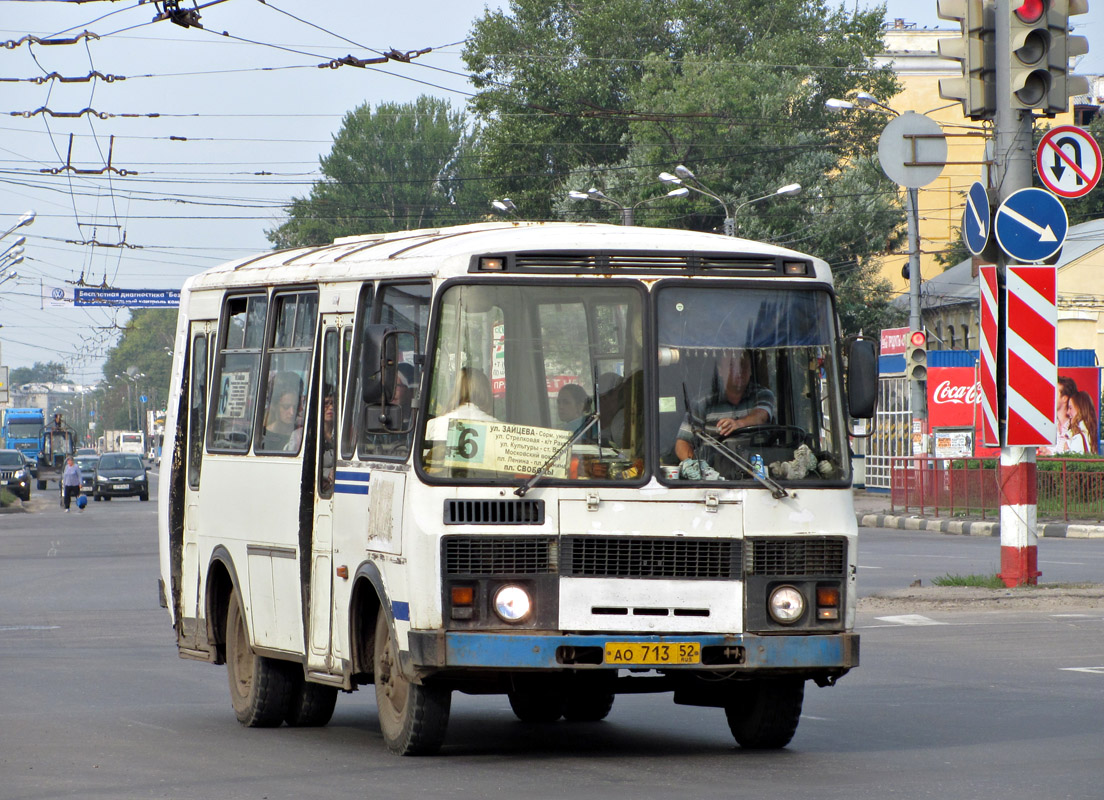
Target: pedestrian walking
[[70, 482]]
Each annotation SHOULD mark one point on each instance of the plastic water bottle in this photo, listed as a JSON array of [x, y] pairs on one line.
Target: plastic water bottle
[[757, 463]]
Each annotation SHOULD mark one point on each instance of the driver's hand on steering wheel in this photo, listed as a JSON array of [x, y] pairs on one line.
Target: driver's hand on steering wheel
[[727, 426]]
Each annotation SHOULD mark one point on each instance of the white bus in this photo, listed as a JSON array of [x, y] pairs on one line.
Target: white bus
[[378, 474]]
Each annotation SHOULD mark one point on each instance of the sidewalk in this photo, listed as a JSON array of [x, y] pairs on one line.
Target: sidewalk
[[872, 510]]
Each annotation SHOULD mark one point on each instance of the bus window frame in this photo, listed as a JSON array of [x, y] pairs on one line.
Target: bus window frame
[[218, 365], [277, 294]]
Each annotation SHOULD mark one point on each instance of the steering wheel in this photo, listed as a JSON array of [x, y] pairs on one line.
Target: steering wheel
[[770, 435]]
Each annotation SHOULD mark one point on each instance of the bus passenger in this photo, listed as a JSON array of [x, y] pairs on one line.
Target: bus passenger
[[572, 405], [283, 407]]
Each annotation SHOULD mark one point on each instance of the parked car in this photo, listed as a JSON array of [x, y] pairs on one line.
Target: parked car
[[120, 475], [87, 466], [15, 474]]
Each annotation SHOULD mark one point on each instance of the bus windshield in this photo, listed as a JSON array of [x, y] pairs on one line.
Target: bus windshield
[[516, 372], [520, 370]]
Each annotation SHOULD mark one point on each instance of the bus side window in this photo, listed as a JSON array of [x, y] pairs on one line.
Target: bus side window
[[197, 405], [239, 363], [350, 426], [406, 307], [327, 438], [288, 358]]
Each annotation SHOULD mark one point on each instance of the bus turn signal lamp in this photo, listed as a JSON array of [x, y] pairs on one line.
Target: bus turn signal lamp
[[488, 264], [828, 602], [463, 600]]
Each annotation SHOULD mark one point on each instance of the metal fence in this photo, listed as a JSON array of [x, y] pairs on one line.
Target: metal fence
[[1068, 488]]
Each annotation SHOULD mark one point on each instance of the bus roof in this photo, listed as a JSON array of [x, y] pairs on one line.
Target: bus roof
[[447, 252]]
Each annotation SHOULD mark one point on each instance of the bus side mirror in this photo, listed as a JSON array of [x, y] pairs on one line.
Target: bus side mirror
[[379, 370], [862, 378]]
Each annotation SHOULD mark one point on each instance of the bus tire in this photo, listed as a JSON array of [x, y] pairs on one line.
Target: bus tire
[[312, 704], [534, 706], [764, 713], [260, 687], [413, 717], [587, 705]]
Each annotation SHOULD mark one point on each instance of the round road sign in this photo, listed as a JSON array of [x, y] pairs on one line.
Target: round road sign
[[912, 150], [1031, 225], [1068, 161]]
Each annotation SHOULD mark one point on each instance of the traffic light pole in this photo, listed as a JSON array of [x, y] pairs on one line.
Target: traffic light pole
[[918, 400], [1010, 172]]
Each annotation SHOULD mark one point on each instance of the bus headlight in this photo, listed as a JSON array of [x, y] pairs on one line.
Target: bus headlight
[[512, 603], [786, 605]]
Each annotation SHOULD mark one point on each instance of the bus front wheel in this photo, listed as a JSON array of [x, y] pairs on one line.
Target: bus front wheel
[[260, 687], [413, 717], [764, 714]]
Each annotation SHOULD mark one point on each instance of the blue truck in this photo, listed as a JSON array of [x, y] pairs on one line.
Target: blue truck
[[22, 430]]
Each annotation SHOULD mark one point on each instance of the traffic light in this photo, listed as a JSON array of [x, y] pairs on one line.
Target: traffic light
[[975, 49], [916, 356], [1040, 48]]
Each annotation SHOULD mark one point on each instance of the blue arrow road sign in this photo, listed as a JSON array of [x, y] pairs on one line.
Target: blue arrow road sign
[[975, 219], [1031, 225]]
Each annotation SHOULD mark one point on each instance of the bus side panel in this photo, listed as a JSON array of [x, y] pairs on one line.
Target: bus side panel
[[250, 505]]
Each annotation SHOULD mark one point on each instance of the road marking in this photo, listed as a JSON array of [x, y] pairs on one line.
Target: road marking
[[8, 628], [910, 619], [1090, 670], [1073, 616]]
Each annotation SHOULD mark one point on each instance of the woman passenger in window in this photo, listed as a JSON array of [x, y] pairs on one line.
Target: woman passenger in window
[[283, 408]]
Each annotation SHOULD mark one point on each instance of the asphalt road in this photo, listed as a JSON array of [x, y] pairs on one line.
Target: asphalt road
[[94, 702]]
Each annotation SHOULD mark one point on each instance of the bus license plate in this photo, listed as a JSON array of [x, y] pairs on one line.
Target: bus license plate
[[653, 653]]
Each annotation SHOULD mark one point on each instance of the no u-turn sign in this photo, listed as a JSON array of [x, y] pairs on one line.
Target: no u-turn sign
[[1068, 161]]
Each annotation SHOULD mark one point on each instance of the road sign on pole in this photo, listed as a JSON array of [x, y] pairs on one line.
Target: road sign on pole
[[1032, 357], [1031, 225], [977, 219], [1068, 161], [912, 150]]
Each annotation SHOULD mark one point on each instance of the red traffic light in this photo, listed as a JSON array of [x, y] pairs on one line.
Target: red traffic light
[[1030, 11], [918, 338]]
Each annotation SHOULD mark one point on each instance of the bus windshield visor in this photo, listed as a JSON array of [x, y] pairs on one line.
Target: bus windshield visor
[[748, 383], [534, 378]]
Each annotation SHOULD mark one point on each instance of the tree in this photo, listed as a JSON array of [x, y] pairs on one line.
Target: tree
[[140, 364], [50, 372], [402, 166]]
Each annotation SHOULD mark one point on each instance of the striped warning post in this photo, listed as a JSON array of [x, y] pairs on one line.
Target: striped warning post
[[987, 349], [1032, 355]]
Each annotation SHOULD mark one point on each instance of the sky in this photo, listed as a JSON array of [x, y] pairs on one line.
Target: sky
[[198, 138]]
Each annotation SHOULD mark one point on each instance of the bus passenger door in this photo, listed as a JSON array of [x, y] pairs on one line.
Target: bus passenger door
[[319, 651], [191, 573]]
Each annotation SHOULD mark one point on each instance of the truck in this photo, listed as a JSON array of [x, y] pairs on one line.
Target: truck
[[58, 442], [114, 441], [22, 430]]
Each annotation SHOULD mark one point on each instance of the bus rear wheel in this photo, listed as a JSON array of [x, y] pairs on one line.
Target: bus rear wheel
[[763, 715], [413, 717], [312, 704], [260, 687]]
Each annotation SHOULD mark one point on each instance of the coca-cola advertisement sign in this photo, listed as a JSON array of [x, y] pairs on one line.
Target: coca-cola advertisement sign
[[953, 393]]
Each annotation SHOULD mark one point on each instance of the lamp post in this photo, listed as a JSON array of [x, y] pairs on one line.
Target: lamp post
[[26, 219], [782, 191], [683, 174], [628, 213]]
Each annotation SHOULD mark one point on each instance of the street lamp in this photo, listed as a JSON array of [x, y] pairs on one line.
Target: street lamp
[[782, 191], [18, 243], [628, 216], [683, 174], [26, 219]]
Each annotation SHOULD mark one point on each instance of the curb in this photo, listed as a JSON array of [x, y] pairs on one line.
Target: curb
[[960, 527]]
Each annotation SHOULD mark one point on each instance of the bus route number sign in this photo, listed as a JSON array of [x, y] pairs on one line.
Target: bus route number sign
[[652, 653]]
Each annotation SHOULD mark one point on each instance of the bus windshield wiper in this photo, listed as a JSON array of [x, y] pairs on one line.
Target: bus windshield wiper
[[697, 425], [540, 473]]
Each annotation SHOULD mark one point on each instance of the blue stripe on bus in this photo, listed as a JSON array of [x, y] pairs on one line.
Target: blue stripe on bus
[[351, 488], [349, 475], [401, 610]]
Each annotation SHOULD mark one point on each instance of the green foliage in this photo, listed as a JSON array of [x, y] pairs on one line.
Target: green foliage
[[403, 166], [608, 93], [144, 355], [978, 581], [50, 372]]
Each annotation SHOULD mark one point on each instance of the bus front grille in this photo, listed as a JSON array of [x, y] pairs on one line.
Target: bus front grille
[[797, 556], [499, 555], [650, 557], [494, 512]]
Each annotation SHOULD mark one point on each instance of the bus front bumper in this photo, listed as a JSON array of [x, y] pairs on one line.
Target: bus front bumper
[[744, 652]]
